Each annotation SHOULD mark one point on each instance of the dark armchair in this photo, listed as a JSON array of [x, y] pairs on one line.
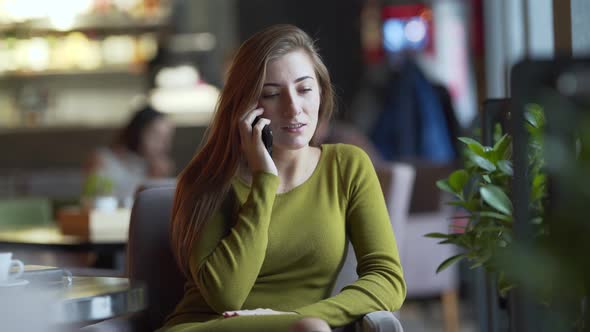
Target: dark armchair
[[150, 260]]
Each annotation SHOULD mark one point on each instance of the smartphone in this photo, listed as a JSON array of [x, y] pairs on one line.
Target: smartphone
[[266, 136]]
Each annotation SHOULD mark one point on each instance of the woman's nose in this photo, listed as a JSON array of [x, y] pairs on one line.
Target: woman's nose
[[292, 105]]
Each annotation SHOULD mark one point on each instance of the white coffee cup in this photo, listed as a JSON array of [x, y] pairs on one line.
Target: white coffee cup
[[6, 263]]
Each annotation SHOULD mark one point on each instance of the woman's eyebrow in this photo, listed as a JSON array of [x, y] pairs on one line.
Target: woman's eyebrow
[[296, 81]]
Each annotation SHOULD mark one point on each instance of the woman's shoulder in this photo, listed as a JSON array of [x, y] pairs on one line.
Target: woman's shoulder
[[345, 152], [350, 158]]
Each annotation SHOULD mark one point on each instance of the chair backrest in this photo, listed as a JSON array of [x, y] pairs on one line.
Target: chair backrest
[[150, 258], [426, 197], [149, 255], [397, 181], [25, 212]]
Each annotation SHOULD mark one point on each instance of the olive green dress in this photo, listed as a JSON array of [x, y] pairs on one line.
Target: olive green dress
[[284, 251]]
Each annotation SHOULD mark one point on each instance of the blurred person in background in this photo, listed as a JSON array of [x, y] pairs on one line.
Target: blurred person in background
[[140, 151], [261, 238]]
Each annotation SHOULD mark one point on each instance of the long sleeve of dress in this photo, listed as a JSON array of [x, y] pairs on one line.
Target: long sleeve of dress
[[227, 258], [380, 285]]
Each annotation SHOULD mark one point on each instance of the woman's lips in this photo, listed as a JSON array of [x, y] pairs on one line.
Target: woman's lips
[[294, 128]]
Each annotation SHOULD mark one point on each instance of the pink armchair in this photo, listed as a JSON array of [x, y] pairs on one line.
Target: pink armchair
[[420, 255]]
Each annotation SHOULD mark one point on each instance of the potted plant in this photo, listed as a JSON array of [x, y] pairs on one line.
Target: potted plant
[[482, 190], [551, 269], [98, 193]]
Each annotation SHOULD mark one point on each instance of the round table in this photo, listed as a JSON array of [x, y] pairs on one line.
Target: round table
[[95, 298], [69, 301], [48, 239]]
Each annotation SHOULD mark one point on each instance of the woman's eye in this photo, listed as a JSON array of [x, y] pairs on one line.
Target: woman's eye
[[269, 95], [305, 90]]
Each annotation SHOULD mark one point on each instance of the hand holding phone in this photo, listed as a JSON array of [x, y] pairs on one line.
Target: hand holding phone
[[256, 142], [266, 136]]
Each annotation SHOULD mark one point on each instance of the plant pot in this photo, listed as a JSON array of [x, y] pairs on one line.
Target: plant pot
[[101, 203]]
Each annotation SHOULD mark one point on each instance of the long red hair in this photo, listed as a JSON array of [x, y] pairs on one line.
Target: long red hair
[[206, 180]]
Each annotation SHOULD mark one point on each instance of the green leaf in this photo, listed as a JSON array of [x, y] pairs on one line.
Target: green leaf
[[482, 162], [539, 180], [449, 261], [481, 259], [493, 229], [503, 284], [538, 190], [437, 235], [487, 178], [506, 167], [458, 180], [534, 115], [496, 198], [445, 186], [502, 146], [476, 265], [450, 241], [495, 215], [474, 146], [469, 141]]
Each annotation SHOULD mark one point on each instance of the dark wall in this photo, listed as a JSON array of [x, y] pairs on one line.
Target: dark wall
[[69, 147], [334, 23]]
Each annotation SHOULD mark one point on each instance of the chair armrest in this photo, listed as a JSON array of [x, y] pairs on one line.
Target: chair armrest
[[379, 321]]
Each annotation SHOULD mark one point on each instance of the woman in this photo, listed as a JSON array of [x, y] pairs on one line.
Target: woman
[[253, 231], [141, 151]]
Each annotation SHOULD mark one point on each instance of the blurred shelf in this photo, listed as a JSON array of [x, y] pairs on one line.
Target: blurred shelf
[[136, 69], [111, 23], [76, 128]]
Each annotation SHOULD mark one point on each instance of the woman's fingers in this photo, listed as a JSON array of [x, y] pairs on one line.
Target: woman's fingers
[[257, 156], [245, 125], [251, 115], [257, 130]]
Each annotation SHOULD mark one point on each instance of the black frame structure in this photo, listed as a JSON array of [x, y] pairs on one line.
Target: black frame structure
[[530, 80], [494, 111]]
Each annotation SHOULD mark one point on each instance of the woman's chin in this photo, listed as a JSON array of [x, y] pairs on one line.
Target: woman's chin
[[293, 145]]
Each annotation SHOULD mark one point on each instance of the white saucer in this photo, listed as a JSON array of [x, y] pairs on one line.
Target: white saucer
[[14, 282]]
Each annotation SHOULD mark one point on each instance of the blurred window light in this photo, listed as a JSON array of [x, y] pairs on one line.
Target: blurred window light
[[7, 62], [405, 34], [148, 46], [118, 50], [180, 91], [62, 21], [61, 13], [127, 5], [407, 27], [21, 10], [38, 54], [415, 30], [393, 35], [177, 77], [198, 99]]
